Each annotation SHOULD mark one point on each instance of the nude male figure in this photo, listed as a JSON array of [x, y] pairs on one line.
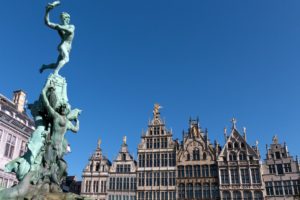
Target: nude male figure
[[66, 33]]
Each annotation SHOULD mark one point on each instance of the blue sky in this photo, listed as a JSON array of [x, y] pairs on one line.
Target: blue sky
[[212, 59]]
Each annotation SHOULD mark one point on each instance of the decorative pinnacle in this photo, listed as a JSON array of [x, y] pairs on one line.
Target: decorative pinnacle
[[156, 110], [234, 121], [124, 139], [99, 143]]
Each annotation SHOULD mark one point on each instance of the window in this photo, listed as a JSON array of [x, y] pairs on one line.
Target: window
[[164, 178], [258, 195], [215, 191], [196, 154], [277, 155], [272, 169], [278, 188], [181, 191], [205, 171], [229, 145], [180, 171], [226, 195], [269, 189], [288, 190], [190, 191], [156, 178], [206, 191], [232, 156], [204, 156], [287, 167], [245, 176], [224, 176], [247, 195], [172, 159], [213, 171], [236, 145], [149, 179], [296, 186], [23, 148], [198, 191], [242, 156], [236, 195], [172, 178], [149, 160], [142, 160], [141, 178], [156, 159], [96, 186], [255, 175], [188, 171], [234, 176], [123, 156], [197, 171], [156, 130], [164, 160], [164, 143], [279, 168], [10, 146]]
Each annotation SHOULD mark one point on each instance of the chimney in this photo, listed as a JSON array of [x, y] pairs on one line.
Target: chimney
[[19, 100]]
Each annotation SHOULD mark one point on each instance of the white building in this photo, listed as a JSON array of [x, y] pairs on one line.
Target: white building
[[15, 129]]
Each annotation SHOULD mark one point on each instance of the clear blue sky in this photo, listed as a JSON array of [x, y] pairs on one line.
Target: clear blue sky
[[212, 59]]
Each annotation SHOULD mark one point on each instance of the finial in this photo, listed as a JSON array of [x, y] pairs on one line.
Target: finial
[[124, 140], [156, 110], [275, 139], [234, 121], [245, 133], [99, 143], [225, 134], [256, 143]]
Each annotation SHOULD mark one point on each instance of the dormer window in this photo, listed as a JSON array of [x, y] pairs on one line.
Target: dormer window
[[123, 156], [97, 167], [236, 145], [229, 145], [243, 145]]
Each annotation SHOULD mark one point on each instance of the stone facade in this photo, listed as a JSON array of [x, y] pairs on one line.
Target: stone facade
[[15, 129], [197, 174], [239, 169], [122, 176], [156, 162], [280, 172], [95, 176]]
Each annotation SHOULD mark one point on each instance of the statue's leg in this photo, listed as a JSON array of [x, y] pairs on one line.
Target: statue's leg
[[50, 66], [64, 58]]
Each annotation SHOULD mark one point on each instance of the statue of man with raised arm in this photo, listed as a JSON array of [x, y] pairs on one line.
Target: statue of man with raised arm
[[66, 33]]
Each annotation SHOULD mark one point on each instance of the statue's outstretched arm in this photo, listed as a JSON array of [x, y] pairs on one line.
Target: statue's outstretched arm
[[48, 23], [73, 128]]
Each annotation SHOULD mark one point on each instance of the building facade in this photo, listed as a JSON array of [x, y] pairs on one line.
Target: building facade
[[280, 173], [239, 169], [15, 129], [122, 176], [95, 176], [156, 171], [197, 174]]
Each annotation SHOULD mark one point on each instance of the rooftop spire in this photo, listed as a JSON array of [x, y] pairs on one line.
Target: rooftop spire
[[234, 121], [124, 140], [156, 112], [99, 143]]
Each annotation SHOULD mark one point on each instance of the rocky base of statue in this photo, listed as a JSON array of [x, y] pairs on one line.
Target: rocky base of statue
[[42, 169]]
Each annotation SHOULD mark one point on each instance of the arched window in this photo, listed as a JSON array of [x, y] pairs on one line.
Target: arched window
[[236, 145], [229, 145], [247, 195], [204, 156], [190, 191], [91, 167], [206, 191], [181, 190], [226, 195], [258, 195], [97, 166], [196, 154], [232, 156], [237, 195], [123, 156], [243, 145], [198, 191], [242, 156]]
